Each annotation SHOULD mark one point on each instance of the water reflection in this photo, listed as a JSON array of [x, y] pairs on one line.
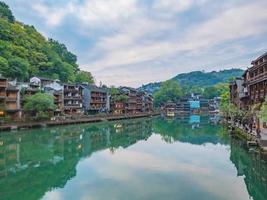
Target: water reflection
[[34, 162], [251, 166], [194, 130]]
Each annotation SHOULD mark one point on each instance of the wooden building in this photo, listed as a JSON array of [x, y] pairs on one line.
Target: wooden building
[[147, 103], [131, 103], [255, 80], [72, 96], [9, 100], [170, 109], [95, 99]]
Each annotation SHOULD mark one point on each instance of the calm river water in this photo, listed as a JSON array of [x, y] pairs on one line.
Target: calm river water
[[153, 158]]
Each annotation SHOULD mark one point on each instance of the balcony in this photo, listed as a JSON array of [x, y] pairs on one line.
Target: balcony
[[98, 102], [102, 95], [12, 108], [3, 84], [72, 97], [11, 99], [2, 95], [72, 105], [258, 78]]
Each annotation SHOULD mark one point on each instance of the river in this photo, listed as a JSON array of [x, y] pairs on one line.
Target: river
[[150, 158]]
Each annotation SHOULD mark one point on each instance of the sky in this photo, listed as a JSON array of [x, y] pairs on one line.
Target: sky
[[134, 42]]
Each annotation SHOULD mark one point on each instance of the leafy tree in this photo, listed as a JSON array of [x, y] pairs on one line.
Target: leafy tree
[[169, 91], [210, 92], [222, 87], [116, 95], [3, 66], [5, 12], [84, 76], [225, 103], [30, 54], [196, 89], [263, 111], [18, 68], [39, 104]]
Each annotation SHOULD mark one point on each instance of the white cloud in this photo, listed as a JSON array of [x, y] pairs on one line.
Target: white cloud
[[236, 23], [160, 38]]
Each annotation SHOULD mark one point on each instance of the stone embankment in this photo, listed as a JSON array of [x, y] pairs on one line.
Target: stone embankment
[[78, 120], [250, 134]]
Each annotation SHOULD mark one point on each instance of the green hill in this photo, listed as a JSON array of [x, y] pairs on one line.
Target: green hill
[[204, 79], [198, 78], [24, 52]]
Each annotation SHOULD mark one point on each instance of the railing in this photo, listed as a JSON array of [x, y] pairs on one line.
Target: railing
[[98, 95], [11, 99], [3, 84], [98, 101]]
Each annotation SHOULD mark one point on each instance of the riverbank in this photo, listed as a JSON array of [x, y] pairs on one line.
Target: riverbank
[[253, 139], [81, 120]]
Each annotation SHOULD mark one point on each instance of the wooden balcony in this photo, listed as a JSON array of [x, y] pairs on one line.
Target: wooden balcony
[[3, 84], [72, 97], [72, 105], [2, 95], [102, 95], [11, 99], [258, 78]]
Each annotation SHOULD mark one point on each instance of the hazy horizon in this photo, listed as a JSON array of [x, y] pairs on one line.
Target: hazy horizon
[[134, 42]]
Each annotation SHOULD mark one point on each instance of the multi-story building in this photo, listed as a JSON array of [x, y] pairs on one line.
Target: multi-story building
[[131, 103], [117, 107], [214, 104], [95, 99], [147, 103], [56, 90], [72, 98], [170, 109], [9, 100], [140, 101], [117, 103], [238, 93], [183, 105], [255, 80]]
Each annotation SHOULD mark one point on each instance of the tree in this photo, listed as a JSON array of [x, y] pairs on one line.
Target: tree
[[39, 105], [5, 12], [3, 66], [18, 68], [210, 92], [30, 54], [84, 76], [196, 90], [116, 95], [263, 111], [225, 103], [169, 91]]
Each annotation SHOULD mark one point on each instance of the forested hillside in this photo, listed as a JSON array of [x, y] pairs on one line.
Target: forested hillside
[[24, 52], [204, 79], [198, 79]]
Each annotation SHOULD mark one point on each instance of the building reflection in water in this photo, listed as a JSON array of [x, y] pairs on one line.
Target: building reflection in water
[[36, 161], [33, 162], [253, 167]]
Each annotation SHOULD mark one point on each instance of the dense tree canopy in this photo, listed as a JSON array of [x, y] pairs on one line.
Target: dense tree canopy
[[116, 95], [169, 91], [263, 111], [210, 92], [5, 12], [84, 76], [39, 103], [24, 52]]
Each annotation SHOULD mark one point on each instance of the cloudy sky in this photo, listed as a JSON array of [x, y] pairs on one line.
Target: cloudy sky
[[132, 42]]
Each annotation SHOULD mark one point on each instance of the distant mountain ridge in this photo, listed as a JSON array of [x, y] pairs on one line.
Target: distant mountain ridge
[[198, 78]]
